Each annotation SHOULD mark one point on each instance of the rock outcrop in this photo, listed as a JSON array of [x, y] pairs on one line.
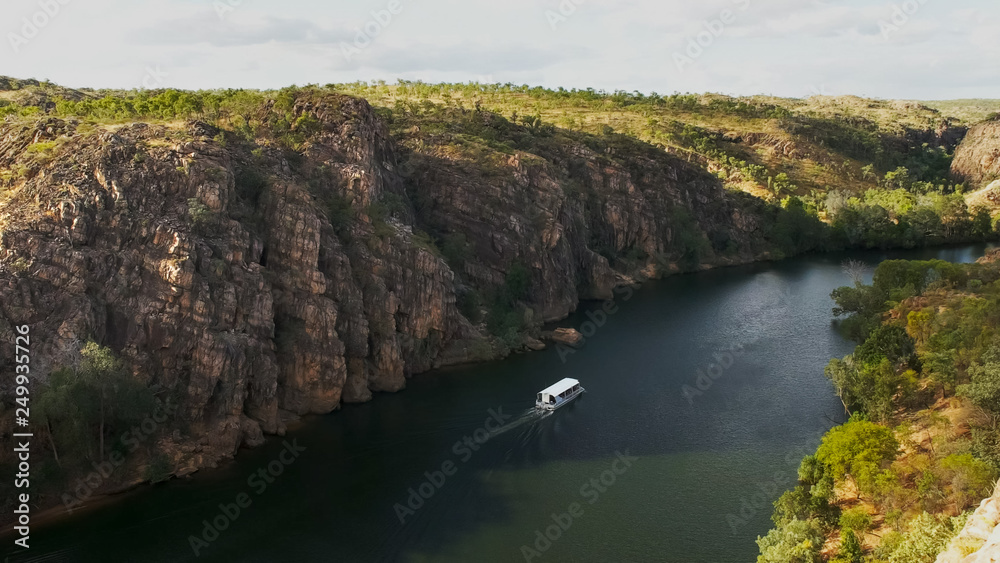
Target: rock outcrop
[[566, 336], [979, 541], [251, 283], [977, 159]]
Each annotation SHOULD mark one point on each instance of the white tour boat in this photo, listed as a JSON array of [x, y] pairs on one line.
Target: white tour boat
[[559, 394]]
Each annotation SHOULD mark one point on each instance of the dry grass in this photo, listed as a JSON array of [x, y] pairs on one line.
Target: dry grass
[[811, 165], [969, 110]]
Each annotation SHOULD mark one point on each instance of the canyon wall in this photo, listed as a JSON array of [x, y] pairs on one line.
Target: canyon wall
[[977, 159], [249, 284]]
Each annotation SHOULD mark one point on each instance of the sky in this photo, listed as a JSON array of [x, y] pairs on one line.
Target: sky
[[912, 49]]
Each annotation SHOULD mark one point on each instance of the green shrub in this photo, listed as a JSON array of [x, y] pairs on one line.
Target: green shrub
[[850, 548], [41, 147], [199, 213], [856, 519], [970, 479], [926, 537]]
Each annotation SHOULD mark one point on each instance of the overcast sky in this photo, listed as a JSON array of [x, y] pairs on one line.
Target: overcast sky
[[917, 49]]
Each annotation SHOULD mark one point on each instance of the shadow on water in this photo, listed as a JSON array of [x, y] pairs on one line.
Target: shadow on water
[[713, 381]]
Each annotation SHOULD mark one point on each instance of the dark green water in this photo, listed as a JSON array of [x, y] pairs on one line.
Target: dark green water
[[697, 491]]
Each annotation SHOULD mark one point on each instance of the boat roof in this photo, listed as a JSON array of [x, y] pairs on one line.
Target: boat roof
[[560, 387]]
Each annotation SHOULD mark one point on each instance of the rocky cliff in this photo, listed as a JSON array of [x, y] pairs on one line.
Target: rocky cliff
[[249, 281], [977, 159], [979, 541]]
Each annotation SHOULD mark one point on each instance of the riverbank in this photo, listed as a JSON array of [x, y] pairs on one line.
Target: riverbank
[[923, 372]]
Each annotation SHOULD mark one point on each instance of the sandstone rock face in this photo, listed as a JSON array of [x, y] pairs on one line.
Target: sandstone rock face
[[251, 286], [981, 536], [977, 159]]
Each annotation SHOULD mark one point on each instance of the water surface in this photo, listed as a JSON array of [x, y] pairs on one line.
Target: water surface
[[704, 462]]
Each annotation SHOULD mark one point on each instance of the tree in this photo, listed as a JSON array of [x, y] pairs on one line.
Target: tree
[[864, 304], [897, 179], [918, 326], [797, 229], [982, 223], [984, 388], [844, 376], [798, 541], [835, 202], [857, 449], [794, 504], [855, 269], [886, 342], [926, 538], [925, 226], [60, 406], [850, 548], [517, 282], [969, 479], [810, 499], [898, 202], [95, 396]]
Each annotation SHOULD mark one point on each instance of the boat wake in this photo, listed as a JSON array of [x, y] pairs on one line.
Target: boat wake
[[526, 417]]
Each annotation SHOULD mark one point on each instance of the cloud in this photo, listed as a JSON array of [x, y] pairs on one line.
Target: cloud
[[461, 57], [207, 28], [784, 47]]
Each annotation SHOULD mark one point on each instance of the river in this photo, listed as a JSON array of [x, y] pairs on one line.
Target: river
[[703, 393]]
